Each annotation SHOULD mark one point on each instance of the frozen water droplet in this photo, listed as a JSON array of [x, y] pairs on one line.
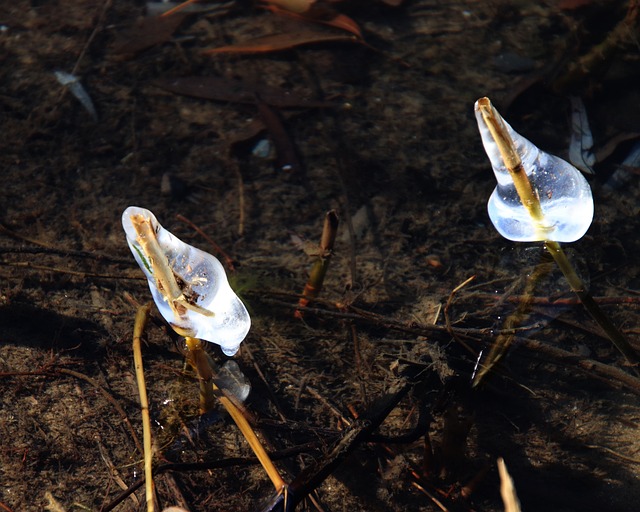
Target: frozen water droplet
[[564, 194], [189, 286]]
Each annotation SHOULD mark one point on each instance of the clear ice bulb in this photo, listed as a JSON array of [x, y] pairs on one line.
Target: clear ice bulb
[[564, 194], [189, 286]]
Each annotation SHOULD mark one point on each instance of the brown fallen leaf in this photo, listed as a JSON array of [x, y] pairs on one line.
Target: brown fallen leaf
[[236, 91], [297, 6], [287, 41], [316, 13], [147, 32], [569, 5]]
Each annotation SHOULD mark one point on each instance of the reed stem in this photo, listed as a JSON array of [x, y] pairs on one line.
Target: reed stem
[[138, 328], [531, 202], [209, 391]]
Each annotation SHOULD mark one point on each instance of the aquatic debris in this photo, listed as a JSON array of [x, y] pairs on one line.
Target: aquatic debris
[[76, 88], [285, 148], [286, 41], [581, 145], [563, 193], [262, 149], [147, 32], [164, 8], [310, 11], [189, 286], [237, 91]]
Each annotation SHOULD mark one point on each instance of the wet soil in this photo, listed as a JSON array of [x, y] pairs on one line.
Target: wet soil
[[397, 154]]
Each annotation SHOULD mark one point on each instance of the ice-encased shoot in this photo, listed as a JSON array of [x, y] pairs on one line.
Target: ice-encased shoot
[[564, 194], [189, 286]]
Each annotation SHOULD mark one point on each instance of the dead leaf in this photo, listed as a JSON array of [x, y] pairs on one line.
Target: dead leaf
[[319, 13], [147, 32], [297, 6], [279, 42], [235, 91], [569, 5]]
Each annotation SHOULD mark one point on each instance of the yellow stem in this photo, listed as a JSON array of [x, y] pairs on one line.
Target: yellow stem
[[252, 439], [200, 362], [531, 201], [512, 162], [198, 359], [138, 328]]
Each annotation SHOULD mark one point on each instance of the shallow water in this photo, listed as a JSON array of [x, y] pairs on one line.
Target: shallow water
[[399, 155]]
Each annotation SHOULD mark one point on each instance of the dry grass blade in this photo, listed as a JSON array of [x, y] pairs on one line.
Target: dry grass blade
[[141, 319], [507, 489]]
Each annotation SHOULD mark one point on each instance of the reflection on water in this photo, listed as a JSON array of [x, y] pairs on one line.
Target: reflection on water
[[178, 424]]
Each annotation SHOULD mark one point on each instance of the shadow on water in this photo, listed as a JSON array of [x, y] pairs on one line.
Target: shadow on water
[[30, 326]]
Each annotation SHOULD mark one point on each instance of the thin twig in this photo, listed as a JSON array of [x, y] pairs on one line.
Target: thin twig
[[588, 365], [94, 32], [274, 398], [27, 265], [178, 7]]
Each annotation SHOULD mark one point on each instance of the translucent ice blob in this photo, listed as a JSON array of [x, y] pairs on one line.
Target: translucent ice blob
[[564, 194], [188, 285]]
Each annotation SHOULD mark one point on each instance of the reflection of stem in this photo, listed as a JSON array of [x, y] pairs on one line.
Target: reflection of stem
[[197, 357], [530, 200], [514, 320], [138, 328]]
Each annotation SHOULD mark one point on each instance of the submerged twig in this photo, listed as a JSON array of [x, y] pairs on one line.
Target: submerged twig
[[590, 366], [72, 82], [358, 432], [598, 58], [516, 319]]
